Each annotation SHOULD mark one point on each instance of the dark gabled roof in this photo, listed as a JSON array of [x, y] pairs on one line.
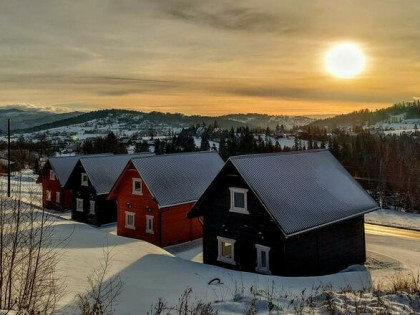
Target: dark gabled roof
[[303, 190], [64, 165], [104, 171], [178, 178]]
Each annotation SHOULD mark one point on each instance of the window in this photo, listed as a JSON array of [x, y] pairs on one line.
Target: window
[[149, 224], [238, 200], [129, 220], [263, 259], [48, 195], [57, 197], [92, 207], [79, 204], [137, 186], [84, 179], [226, 248], [52, 175]]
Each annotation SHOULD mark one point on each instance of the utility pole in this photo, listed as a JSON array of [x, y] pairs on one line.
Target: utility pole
[[8, 158]]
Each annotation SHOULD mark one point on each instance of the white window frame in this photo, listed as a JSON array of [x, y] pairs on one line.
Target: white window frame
[[149, 218], [259, 268], [57, 196], [77, 204], [243, 191], [52, 175], [92, 209], [84, 182], [48, 195], [134, 191], [130, 226], [220, 257]]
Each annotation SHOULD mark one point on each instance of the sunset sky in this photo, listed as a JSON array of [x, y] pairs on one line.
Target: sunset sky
[[206, 57]]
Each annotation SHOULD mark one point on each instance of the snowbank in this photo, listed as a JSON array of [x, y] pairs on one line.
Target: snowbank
[[394, 218]]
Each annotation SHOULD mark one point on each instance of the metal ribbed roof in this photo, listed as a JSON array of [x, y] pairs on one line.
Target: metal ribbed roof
[[178, 178], [104, 171], [303, 190], [64, 165]]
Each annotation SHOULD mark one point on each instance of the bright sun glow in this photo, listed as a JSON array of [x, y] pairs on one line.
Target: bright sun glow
[[345, 61]]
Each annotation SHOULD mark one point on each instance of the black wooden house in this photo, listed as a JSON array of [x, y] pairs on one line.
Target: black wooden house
[[293, 214], [91, 181]]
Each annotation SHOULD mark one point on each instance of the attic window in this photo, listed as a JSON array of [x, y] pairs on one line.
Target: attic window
[[52, 175], [226, 250], [238, 200], [84, 179], [137, 186]]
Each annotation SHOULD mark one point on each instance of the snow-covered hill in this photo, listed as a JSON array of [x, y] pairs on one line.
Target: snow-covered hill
[[24, 117]]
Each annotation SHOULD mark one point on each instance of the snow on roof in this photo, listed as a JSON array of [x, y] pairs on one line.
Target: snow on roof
[[104, 171], [303, 190], [179, 178], [64, 165]]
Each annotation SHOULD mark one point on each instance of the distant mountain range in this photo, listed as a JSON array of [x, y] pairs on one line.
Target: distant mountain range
[[27, 120], [156, 118], [22, 118]]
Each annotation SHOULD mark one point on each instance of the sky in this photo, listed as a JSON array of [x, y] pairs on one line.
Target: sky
[[206, 57]]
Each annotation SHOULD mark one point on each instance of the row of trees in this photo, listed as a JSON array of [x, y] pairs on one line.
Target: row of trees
[[108, 144], [388, 166]]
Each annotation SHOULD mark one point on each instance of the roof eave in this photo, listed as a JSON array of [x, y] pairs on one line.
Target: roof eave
[[175, 204], [330, 223]]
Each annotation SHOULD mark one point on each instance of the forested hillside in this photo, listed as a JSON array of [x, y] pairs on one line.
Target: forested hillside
[[366, 117], [178, 120]]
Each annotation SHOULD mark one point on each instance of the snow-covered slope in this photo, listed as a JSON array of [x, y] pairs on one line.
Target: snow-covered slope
[[150, 272]]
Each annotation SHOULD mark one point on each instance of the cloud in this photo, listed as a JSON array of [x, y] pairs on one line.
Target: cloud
[[38, 108], [281, 92]]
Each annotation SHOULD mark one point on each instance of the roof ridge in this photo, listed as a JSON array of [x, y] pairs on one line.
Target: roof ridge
[[244, 156], [176, 154], [82, 156], [110, 156]]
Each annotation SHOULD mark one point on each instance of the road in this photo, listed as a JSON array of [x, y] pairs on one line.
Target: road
[[402, 247], [390, 231]]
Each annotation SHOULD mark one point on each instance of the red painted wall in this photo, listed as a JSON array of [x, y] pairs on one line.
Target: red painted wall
[[170, 225], [54, 186]]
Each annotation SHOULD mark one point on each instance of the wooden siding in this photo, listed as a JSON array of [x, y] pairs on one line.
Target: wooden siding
[[105, 210], [170, 225], [321, 251], [176, 228], [54, 186]]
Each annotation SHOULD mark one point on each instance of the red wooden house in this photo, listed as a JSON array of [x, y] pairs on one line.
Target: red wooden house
[[54, 176], [154, 195]]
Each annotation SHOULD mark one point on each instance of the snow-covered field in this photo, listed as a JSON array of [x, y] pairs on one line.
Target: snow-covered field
[[150, 272]]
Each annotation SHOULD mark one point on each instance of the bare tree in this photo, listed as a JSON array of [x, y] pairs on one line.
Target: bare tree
[[28, 254], [101, 296]]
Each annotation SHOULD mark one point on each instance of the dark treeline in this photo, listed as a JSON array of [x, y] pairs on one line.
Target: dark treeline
[[25, 153], [108, 144], [387, 166]]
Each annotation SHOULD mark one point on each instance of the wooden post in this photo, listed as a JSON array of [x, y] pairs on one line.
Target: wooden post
[[8, 158]]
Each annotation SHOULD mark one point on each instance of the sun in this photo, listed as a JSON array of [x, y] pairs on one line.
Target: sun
[[345, 61]]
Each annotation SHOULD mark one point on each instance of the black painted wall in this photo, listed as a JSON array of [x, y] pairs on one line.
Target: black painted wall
[[322, 251], [105, 210]]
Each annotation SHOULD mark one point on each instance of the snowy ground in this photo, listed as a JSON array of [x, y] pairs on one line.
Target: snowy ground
[[150, 272]]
